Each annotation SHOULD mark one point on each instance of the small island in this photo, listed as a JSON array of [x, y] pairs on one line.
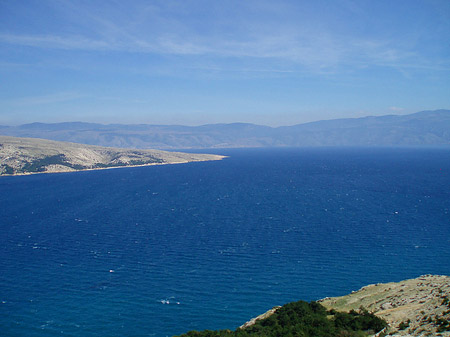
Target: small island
[[19, 156]]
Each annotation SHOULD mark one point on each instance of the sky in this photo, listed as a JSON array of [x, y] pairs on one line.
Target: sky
[[195, 62]]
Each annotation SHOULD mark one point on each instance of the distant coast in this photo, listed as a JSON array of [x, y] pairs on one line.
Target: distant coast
[[425, 128], [68, 170], [25, 156]]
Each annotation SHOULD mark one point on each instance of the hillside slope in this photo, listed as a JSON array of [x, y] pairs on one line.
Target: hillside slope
[[426, 128], [28, 155], [416, 307]]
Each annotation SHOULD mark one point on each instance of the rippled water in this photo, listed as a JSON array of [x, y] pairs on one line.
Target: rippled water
[[156, 251]]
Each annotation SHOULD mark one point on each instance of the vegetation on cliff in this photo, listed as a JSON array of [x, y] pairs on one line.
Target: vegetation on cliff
[[305, 319], [415, 307]]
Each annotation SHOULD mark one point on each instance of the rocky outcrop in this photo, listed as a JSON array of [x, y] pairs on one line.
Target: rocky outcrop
[[416, 307], [31, 155], [262, 316]]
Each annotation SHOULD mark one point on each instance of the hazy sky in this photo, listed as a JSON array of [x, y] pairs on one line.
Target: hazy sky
[[195, 62]]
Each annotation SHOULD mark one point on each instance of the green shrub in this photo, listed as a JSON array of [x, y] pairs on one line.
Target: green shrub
[[404, 325], [302, 319], [7, 169]]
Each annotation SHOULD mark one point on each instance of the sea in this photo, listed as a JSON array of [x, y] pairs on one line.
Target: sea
[[162, 250]]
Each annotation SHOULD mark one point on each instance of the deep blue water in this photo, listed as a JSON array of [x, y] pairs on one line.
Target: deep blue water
[[156, 251]]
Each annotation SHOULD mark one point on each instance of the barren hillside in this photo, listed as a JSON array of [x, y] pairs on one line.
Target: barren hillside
[[416, 307], [31, 155]]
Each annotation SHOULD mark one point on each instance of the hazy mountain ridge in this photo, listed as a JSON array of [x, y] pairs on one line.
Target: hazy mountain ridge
[[426, 128], [29, 155]]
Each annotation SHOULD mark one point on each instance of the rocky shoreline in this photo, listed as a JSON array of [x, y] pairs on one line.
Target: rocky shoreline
[[24, 156], [415, 307]]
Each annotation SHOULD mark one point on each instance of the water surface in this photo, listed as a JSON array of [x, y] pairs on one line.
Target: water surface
[[160, 250]]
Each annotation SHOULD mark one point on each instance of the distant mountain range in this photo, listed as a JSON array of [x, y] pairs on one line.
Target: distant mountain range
[[425, 128]]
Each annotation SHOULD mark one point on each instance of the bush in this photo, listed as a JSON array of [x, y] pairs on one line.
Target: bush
[[404, 325], [302, 319]]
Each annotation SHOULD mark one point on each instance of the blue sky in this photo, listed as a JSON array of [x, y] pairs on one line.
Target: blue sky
[[196, 62]]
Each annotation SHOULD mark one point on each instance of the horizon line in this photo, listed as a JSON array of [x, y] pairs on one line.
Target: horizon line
[[223, 123]]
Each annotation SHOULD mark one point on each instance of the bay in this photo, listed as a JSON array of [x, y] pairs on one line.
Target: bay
[[161, 250]]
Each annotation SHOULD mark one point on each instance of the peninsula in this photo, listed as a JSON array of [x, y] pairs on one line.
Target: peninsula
[[20, 156], [415, 307]]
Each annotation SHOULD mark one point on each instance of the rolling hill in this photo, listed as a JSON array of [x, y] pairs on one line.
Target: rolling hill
[[426, 128]]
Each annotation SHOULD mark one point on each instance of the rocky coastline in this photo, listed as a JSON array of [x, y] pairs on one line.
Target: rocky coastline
[[23, 156], [414, 307]]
